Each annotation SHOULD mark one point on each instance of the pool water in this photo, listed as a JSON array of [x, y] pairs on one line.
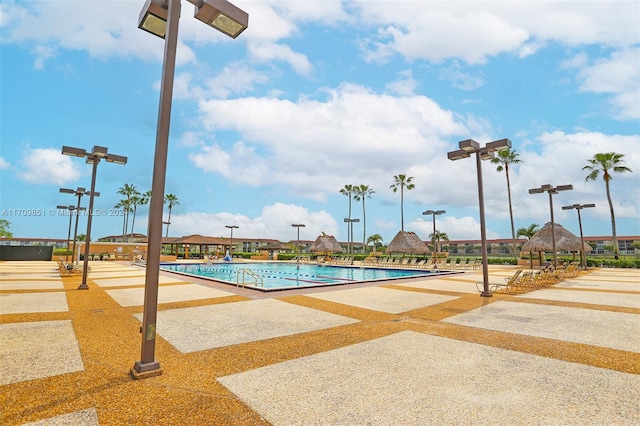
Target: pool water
[[281, 276]]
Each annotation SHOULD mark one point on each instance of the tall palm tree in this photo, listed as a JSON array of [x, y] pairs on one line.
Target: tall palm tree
[[503, 159], [136, 200], [359, 194], [123, 206], [172, 200], [402, 182], [606, 163], [348, 192], [374, 239], [127, 190]]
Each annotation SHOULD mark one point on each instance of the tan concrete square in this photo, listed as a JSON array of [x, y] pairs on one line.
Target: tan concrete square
[[33, 350], [631, 300], [207, 327], [32, 285], [417, 379], [443, 285], [23, 303], [382, 299], [88, 417], [166, 294], [615, 330], [134, 281]]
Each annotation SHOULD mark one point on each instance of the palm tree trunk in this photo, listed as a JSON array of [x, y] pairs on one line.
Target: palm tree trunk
[[364, 225], [168, 222], [133, 221], [513, 229], [614, 238], [402, 208]]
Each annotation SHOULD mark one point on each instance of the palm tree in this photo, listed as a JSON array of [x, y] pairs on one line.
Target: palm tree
[[504, 158], [606, 163], [402, 182], [528, 232], [348, 192], [128, 191], [375, 239], [136, 200], [360, 193], [172, 200], [122, 205], [436, 238]]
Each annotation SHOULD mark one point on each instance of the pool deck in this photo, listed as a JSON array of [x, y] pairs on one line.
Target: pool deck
[[412, 352]]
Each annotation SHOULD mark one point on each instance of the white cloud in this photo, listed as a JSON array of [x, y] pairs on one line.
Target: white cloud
[[47, 166], [618, 75], [269, 52], [274, 222], [404, 85], [313, 145], [4, 164]]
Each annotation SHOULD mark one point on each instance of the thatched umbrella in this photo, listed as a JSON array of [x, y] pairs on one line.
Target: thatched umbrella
[[326, 244], [565, 241], [407, 242]]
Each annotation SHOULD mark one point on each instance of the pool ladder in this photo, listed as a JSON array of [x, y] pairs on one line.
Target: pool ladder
[[256, 279]]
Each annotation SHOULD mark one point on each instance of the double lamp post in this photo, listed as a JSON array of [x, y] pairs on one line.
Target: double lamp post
[[160, 18], [468, 147], [97, 153]]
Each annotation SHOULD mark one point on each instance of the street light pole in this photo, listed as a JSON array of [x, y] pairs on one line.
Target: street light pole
[[434, 213], [71, 209], [350, 223], [79, 192], [161, 18], [93, 157], [552, 190], [578, 207], [468, 147], [231, 227], [298, 225]]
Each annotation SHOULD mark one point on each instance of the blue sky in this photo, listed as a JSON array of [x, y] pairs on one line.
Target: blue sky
[[267, 128]]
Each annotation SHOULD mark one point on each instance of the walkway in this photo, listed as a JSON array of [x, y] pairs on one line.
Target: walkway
[[411, 352]]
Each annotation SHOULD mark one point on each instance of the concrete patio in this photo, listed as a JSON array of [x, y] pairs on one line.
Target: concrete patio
[[409, 352]]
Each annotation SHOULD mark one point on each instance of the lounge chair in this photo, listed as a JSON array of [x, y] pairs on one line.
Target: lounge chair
[[510, 285]]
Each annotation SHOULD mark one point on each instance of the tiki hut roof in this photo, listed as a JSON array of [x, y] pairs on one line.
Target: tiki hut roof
[[565, 240], [326, 244], [407, 242]]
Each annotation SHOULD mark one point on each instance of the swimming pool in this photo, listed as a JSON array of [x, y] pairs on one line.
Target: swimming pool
[[282, 276]]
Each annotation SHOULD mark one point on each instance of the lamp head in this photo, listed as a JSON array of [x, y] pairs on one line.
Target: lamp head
[[153, 17], [457, 155], [223, 16], [469, 145]]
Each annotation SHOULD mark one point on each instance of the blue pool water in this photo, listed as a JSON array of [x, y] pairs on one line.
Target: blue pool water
[[280, 276]]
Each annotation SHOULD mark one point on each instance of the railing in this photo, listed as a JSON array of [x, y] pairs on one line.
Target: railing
[[257, 279]]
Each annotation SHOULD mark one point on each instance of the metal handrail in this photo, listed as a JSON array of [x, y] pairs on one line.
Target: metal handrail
[[258, 281]]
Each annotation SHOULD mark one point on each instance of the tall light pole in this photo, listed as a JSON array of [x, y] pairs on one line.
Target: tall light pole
[[298, 225], [552, 190], [350, 233], [71, 209], [161, 18], [434, 213], [231, 227], [97, 153], [79, 193], [578, 207], [468, 147]]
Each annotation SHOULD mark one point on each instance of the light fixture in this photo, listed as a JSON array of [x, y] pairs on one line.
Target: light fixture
[[93, 158], [153, 17], [223, 16], [165, 24], [468, 147], [551, 191], [578, 207]]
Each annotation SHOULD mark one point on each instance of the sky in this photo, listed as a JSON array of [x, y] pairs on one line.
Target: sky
[[266, 129]]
